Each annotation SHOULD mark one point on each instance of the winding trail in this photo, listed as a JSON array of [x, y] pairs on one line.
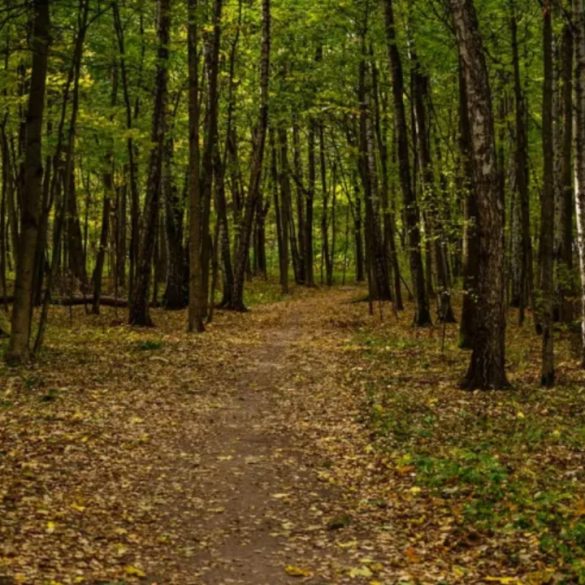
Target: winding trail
[[270, 516]]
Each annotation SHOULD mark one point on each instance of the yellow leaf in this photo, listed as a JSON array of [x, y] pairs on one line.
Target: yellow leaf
[[360, 572], [504, 580], [51, 527], [78, 507], [135, 571], [293, 571]]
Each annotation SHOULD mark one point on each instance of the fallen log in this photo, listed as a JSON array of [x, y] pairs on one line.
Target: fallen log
[[78, 301]]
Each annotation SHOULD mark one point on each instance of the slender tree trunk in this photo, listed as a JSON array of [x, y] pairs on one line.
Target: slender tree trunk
[[103, 243], [300, 198], [421, 92], [139, 304], [522, 179], [565, 203], [309, 201], [285, 193], [259, 141], [547, 206], [224, 237], [195, 318], [175, 295], [32, 176], [132, 171], [411, 211]]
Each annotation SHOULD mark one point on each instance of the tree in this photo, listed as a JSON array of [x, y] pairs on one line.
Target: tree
[[139, 302], [487, 367], [32, 176], [579, 24], [547, 206], [258, 143], [422, 316]]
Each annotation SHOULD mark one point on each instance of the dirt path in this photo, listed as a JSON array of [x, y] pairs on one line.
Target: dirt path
[[268, 517], [235, 457]]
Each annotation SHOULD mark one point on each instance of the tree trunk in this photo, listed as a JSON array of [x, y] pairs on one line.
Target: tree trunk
[[103, 243], [468, 325], [422, 315], [487, 367], [195, 317], [565, 203], [139, 306], [522, 180], [547, 206], [579, 24], [131, 148], [420, 83], [32, 176], [285, 201], [259, 141]]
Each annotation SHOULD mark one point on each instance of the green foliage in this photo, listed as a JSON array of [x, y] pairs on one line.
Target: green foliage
[[149, 345]]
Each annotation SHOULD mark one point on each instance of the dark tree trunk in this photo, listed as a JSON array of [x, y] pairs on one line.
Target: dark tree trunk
[[259, 141], [300, 199], [522, 180], [309, 200], [487, 367], [420, 86], [565, 198], [139, 306], [359, 238], [32, 176], [547, 206], [103, 243], [411, 211], [195, 318], [286, 208], [467, 326], [175, 295], [132, 167]]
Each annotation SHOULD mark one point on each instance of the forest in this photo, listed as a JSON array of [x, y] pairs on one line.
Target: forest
[[292, 291]]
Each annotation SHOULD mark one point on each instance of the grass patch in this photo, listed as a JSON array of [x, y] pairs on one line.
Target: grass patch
[[149, 345], [261, 292]]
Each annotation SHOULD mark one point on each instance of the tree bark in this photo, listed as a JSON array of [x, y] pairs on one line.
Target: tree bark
[[547, 206], [579, 24], [18, 348], [487, 367]]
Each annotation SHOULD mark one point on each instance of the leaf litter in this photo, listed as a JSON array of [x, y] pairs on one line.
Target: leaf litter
[[302, 442]]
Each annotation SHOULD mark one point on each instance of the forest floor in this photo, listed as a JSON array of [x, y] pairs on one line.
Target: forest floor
[[305, 441]]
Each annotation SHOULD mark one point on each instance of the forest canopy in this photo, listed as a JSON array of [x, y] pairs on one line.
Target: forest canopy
[[424, 147]]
